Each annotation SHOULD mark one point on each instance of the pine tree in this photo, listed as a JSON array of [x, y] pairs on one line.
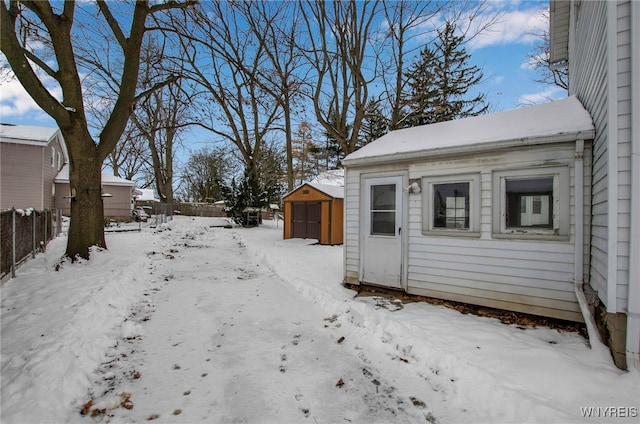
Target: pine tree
[[374, 125], [440, 80]]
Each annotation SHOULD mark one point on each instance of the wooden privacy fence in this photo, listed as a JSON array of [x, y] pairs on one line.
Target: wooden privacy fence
[[23, 233]]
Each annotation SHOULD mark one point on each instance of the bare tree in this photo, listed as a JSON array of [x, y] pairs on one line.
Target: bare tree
[[276, 26], [225, 59], [162, 116], [338, 35], [129, 157], [539, 60], [147, 150], [207, 175], [39, 38], [408, 26], [305, 154]]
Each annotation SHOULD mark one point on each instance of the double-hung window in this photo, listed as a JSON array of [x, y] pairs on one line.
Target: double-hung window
[[451, 205], [531, 202]]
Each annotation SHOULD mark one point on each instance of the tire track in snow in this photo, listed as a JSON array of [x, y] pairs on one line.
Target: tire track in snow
[[229, 342]]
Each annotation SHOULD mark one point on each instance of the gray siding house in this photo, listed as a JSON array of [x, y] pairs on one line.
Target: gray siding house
[[118, 195], [599, 41], [30, 158], [534, 210], [34, 173]]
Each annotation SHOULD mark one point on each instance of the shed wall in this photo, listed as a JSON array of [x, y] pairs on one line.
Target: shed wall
[[331, 221]]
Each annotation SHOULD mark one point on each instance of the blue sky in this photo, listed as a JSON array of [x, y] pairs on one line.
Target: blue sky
[[500, 52]]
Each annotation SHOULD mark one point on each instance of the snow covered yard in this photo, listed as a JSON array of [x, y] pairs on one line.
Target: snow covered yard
[[190, 322]]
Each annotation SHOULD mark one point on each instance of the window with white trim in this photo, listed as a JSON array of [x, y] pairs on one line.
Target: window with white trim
[[531, 202], [451, 205], [53, 156]]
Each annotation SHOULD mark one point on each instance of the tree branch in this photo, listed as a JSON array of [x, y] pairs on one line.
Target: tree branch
[[113, 23], [157, 86]]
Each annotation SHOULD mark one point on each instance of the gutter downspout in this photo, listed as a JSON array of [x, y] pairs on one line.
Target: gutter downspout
[[633, 302], [612, 157], [578, 273]]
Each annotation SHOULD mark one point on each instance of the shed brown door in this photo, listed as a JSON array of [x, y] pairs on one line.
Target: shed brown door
[[305, 222]]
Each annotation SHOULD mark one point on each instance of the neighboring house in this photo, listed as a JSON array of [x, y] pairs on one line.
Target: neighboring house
[[30, 158], [599, 41], [314, 211], [481, 210], [117, 195]]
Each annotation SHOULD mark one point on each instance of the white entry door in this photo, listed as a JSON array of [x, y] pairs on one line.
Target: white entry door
[[382, 244]]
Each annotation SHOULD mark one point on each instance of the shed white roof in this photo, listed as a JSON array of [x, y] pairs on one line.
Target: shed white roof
[[337, 192], [107, 179], [26, 134], [557, 121]]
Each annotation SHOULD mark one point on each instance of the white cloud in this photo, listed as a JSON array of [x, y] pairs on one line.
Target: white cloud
[[497, 80], [14, 100], [544, 96], [518, 26]]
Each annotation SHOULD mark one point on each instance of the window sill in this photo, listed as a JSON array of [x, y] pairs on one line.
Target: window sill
[[530, 236], [452, 233]]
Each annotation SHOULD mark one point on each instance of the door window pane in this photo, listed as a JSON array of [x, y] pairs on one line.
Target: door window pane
[[383, 197], [529, 203], [383, 209], [451, 205], [383, 223]]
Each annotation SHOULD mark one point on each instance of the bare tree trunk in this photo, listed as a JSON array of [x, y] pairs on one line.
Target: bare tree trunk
[[51, 28], [85, 185]]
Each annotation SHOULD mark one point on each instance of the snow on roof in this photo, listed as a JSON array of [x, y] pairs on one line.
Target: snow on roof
[[146, 194], [26, 134], [337, 192], [107, 179], [330, 177], [558, 121]]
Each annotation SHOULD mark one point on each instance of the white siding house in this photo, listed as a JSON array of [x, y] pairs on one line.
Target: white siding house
[[599, 41], [490, 210]]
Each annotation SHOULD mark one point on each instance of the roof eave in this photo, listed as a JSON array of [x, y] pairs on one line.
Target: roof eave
[[470, 148]]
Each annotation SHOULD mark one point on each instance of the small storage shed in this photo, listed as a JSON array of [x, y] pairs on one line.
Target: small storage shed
[[491, 210], [315, 211]]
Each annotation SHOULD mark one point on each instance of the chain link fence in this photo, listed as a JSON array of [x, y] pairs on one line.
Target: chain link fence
[[23, 233]]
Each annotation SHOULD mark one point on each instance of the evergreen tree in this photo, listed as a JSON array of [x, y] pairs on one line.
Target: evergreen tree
[[440, 80], [259, 191], [374, 125]]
